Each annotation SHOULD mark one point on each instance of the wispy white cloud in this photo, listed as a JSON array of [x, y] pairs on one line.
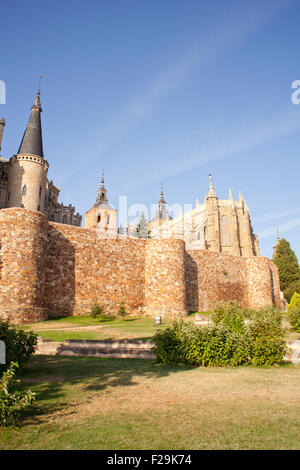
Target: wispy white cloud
[[271, 231], [227, 33], [279, 124], [275, 215]]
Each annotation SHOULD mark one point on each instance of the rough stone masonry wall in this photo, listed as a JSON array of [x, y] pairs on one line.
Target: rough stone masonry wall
[[50, 269], [23, 241], [164, 273], [213, 277], [82, 268]]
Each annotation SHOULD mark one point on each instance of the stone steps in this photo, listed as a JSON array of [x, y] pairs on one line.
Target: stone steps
[[118, 349]]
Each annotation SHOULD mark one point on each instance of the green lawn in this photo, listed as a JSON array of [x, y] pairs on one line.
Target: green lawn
[[95, 403], [64, 335], [89, 328]]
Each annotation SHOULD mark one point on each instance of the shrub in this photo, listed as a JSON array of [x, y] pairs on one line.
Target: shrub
[[229, 314], [206, 346], [12, 403], [293, 311], [97, 310], [227, 343], [19, 344], [266, 337], [122, 310]]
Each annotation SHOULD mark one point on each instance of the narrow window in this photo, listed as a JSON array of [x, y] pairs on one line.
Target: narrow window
[[38, 207], [225, 230], [107, 219], [64, 220], [40, 191], [8, 196], [24, 190], [98, 218]]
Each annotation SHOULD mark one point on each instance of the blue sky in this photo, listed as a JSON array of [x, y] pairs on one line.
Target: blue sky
[[162, 90]]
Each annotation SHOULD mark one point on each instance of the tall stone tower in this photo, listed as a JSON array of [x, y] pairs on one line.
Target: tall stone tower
[[212, 229], [28, 169], [102, 217]]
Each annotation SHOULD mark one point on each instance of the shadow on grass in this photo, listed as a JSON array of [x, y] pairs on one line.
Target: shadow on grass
[[52, 378]]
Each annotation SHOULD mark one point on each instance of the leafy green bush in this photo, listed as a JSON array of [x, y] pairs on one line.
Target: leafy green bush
[[229, 342], [293, 311], [19, 344], [186, 343], [122, 310], [266, 337], [98, 313], [229, 314], [12, 403], [97, 310]]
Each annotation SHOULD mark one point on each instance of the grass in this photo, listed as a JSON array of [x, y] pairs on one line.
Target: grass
[[95, 403], [64, 335], [89, 328]]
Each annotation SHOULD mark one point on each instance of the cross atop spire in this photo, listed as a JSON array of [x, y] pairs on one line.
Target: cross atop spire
[[32, 142], [102, 193], [162, 199], [278, 237]]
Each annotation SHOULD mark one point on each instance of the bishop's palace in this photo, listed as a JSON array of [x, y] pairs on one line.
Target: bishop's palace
[[221, 226]]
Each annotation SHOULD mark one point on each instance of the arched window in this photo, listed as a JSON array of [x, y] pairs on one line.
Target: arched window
[[64, 219], [98, 218], [24, 190], [225, 230]]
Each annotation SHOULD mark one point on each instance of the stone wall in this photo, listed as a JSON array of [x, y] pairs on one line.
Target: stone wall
[[211, 277], [50, 269], [23, 239], [82, 268], [164, 274]]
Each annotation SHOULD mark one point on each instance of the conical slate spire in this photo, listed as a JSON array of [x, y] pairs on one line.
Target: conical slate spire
[[32, 142]]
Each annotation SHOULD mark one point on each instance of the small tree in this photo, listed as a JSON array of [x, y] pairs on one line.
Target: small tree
[[293, 311], [288, 268], [142, 227]]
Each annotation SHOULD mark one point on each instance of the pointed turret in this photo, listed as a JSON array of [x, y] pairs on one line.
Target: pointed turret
[[211, 192], [32, 142]]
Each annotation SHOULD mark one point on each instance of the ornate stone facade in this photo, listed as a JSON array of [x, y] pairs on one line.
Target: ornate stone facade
[[222, 226], [23, 177]]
